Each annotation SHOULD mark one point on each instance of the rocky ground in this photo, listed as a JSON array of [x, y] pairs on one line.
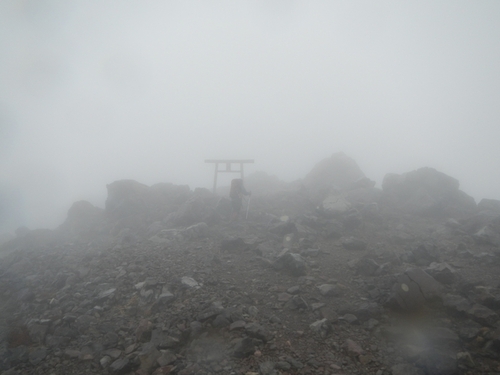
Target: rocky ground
[[344, 280]]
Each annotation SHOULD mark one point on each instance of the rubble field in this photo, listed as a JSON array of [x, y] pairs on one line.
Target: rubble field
[[327, 275]]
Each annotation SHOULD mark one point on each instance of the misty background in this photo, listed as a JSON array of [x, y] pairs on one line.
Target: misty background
[[96, 91]]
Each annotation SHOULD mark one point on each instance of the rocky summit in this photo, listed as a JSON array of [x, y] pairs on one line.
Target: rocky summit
[[328, 275]]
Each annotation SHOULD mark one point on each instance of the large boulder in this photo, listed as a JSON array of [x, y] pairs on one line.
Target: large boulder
[[427, 191], [126, 197], [83, 218], [489, 205], [336, 173]]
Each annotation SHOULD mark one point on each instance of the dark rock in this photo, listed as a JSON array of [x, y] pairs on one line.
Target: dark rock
[[365, 266], [167, 357], [120, 366], [148, 356], [414, 289], [83, 219], [353, 348], [329, 290], [267, 368], [259, 332], [233, 245], [352, 243], [406, 369], [424, 254], [244, 347], [426, 191], [442, 272], [292, 263], [163, 340], [321, 327], [436, 362], [482, 314], [492, 205], [37, 355], [456, 303]]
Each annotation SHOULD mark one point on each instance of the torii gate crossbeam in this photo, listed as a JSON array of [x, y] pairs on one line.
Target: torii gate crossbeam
[[228, 163]]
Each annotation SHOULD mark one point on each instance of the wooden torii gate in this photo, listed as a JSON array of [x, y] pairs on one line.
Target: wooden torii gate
[[228, 163]]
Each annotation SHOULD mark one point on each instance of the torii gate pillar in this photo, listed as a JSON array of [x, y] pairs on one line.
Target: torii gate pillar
[[228, 169]]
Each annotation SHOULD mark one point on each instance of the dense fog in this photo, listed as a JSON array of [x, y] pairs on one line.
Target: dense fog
[[96, 91]]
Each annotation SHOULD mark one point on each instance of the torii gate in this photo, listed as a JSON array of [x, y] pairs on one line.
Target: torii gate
[[228, 163]]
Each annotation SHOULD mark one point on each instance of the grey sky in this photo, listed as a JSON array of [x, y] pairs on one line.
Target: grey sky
[[95, 91]]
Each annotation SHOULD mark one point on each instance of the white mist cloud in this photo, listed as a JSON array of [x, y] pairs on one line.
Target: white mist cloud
[[95, 91]]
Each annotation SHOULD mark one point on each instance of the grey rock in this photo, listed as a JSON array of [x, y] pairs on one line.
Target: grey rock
[[350, 318], [259, 332], [321, 327], [414, 289], [120, 366], [267, 368], [167, 357], [328, 290], [189, 282], [292, 263], [293, 290], [243, 347], [352, 243], [436, 362], [37, 332], [456, 303], [482, 314], [282, 365], [442, 272], [406, 369], [148, 356], [163, 340], [365, 266], [38, 355], [294, 362], [105, 361], [464, 359], [492, 205]]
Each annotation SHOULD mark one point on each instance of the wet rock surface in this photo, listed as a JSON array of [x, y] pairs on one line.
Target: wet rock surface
[[163, 282]]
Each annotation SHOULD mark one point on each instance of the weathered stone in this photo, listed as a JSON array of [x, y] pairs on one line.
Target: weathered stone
[[244, 347], [427, 192], [335, 205], [120, 366], [292, 263], [37, 332], [259, 332], [442, 272], [189, 282], [167, 357], [406, 369], [492, 205], [352, 243], [482, 314], [365, 266], [321, 327], [353, 348], [267, 368], [436, 362], [105, 361], [465, 359], [163, 340], [456, 303], [38, 355], [148, 356], [329, 290]]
